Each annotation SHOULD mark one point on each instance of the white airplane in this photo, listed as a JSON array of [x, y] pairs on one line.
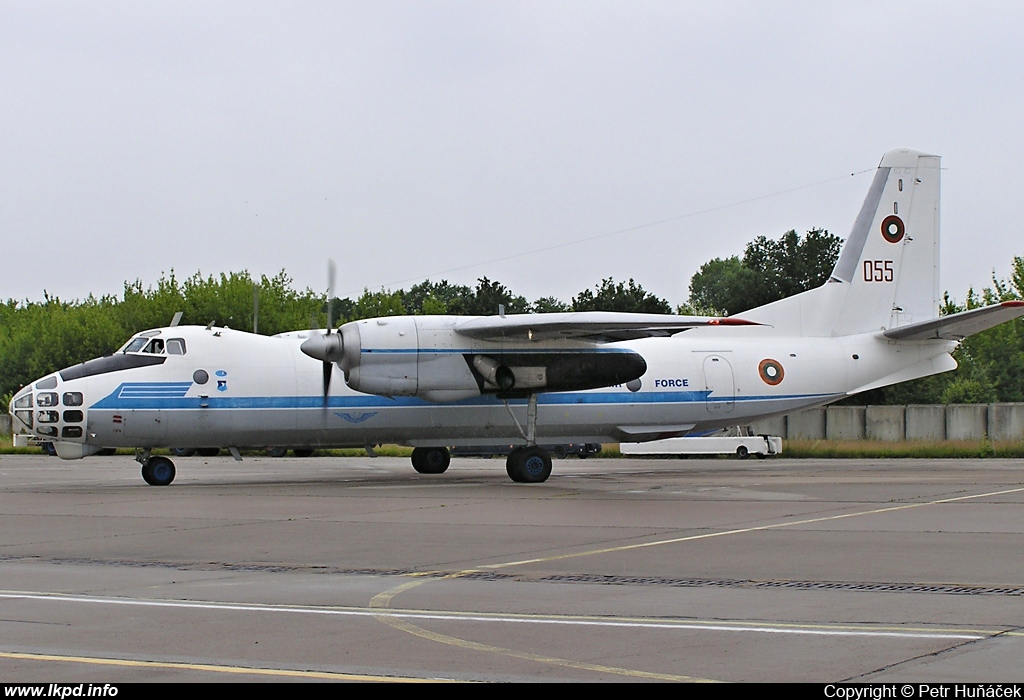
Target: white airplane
[[435, 381]]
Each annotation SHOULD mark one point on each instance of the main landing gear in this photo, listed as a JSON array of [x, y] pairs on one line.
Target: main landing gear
[[156, 471], [431, 460], [530, 464]]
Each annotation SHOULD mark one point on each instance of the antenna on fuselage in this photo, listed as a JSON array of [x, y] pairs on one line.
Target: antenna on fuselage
[[177, 319]]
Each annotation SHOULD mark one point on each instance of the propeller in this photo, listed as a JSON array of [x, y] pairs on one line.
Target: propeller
[[328, 348], [328, 365]]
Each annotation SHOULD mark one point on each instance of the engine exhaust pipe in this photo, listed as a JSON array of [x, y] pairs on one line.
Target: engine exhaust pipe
[[494, 373]]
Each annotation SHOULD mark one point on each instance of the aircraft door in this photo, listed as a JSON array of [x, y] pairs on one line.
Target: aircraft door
[[720, 385]]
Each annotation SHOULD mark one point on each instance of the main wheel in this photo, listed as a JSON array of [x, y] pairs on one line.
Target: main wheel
[[303, 452], [182, 451], [277, 451], [208, 451], [158, 471], [431, 460], [528, 465]]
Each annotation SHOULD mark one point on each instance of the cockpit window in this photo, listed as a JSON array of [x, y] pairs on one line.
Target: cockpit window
[[136, 345], [48, 383], [176, 346], [46, 398], [155, 347]]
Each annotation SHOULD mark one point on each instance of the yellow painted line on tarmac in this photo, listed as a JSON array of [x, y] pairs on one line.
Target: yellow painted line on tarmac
[[216, 668], [405, 626]]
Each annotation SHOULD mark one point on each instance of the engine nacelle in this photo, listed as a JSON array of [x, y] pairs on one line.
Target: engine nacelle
[[424, 356]]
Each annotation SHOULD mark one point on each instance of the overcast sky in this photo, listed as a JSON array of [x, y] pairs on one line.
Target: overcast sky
[[536, 143]]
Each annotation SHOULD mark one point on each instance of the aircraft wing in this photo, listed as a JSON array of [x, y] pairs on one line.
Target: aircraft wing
[[596, 326], [959, 326]]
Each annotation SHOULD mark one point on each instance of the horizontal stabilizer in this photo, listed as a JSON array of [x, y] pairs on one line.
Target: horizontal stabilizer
[[597, 326], [959, 326]]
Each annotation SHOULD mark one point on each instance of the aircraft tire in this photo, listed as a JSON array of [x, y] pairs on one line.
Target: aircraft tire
[[510, 464], [277, 451], [303, 452], [158, 471], [182, 451], [431, 460], [208, 451], [529, 465]]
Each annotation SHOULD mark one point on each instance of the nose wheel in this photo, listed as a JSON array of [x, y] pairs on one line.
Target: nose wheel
[[156, 471]]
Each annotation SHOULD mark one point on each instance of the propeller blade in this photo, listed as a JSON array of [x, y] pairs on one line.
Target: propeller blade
[[331, 271], [328, 371]]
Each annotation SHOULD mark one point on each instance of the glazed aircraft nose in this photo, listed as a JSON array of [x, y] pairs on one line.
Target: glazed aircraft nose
[[21, 407], [326, 348]]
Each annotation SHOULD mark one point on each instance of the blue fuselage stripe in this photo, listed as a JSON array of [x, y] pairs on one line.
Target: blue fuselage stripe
[[120, 400]]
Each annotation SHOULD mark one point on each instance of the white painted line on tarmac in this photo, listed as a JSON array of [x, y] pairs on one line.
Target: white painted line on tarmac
[[837, 630]]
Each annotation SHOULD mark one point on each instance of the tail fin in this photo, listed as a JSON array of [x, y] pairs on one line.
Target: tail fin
[[888, 272]]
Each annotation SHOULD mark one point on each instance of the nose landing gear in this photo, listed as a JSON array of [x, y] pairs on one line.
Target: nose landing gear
[[156, 471]]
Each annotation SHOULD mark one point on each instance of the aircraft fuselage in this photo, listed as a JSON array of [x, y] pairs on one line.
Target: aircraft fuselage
[[231, 388]]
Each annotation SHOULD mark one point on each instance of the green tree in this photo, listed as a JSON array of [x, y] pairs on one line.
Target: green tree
[[549, 305], [769, 270], [489, 295], [616, 296], [437, 298], [374, 304]]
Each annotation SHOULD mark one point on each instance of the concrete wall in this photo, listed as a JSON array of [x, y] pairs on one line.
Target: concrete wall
[[998, 422], [806, 425], [5, 423], [926, 423], [1005, 421], [885, 423], [844, 422]]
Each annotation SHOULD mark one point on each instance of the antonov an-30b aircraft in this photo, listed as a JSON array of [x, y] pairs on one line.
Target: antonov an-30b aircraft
[[435, 381]]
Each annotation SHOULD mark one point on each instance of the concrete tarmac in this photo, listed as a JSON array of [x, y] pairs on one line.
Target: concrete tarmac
[[612, 570]]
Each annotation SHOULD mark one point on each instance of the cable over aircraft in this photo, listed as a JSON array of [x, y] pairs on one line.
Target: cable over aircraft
[[435, 381]]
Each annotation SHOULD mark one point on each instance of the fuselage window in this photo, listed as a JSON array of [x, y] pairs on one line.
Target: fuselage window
[[48, 417], [176, 346], [46, 398], [72, 398], [73, 416], [71, 431], [48, 430]]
